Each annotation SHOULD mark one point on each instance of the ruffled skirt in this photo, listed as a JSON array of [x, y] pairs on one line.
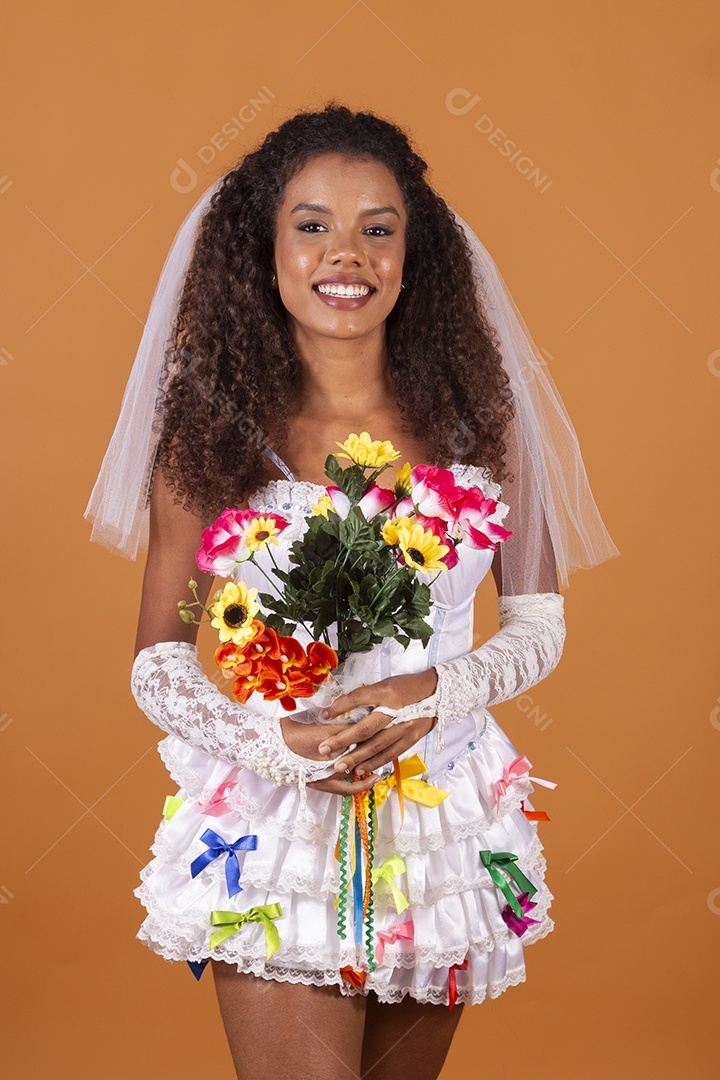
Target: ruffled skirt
[[457, 935]]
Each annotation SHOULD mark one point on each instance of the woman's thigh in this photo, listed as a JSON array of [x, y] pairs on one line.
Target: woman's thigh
[[407, 1041], [285, 1030]]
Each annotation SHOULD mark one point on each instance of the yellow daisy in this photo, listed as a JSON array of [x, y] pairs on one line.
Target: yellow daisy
[[260, 532], [234, 613], [363, 451], [323, 506], [421, 548]]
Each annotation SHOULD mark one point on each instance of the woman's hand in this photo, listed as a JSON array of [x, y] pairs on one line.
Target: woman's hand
[[377, 744], [375, 751], [303, 739]]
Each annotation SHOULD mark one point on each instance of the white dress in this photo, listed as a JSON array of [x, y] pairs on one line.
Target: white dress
[[455, 905]]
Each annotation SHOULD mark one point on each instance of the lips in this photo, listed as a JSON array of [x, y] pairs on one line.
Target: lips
[[344, 279]]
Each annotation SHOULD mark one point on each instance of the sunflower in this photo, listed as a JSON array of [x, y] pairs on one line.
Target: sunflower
[[421, 548], [366, 453], [403, 485], [235, 612], [260, 532]]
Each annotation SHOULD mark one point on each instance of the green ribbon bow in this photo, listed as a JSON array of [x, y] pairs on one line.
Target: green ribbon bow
[[231, 921], [391, 868], [507, 860]]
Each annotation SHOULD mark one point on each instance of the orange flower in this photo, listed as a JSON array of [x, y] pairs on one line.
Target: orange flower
[[244, 686], [284, 686], [321, 660], [292, 654], [266, 644]]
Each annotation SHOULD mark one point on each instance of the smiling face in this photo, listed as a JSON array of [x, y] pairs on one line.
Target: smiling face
[[340, 247]]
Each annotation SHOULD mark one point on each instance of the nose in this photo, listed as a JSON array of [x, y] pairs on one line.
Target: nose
[[345, 248]]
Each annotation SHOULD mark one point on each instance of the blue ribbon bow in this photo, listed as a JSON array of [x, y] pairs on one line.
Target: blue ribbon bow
[[216, 847]]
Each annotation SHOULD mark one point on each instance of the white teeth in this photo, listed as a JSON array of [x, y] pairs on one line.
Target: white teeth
[[344, 290]]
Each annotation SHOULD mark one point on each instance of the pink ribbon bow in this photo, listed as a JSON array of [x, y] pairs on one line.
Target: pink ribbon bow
[[517, 924], [516, 770], [400, 932], [217, 805]]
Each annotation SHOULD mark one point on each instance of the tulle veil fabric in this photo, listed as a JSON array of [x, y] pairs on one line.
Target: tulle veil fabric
[[556, 523]]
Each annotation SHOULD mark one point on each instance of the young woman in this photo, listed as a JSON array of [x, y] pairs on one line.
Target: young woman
[[330, 291]]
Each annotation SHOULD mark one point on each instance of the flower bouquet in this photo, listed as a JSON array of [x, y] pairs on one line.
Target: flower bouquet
[[360, 572]]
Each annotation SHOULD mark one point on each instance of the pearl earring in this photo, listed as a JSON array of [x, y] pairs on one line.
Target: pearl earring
[[274, 281]]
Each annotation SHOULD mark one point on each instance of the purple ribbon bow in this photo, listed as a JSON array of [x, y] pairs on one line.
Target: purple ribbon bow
[[216, 847], [519, 924]]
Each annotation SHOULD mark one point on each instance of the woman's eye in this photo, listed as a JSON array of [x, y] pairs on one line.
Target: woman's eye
[[376, 230]]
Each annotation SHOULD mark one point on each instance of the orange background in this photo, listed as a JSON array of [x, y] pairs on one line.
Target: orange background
[[611, 260]]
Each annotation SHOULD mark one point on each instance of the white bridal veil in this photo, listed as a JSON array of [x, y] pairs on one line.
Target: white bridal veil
[[553, 514]]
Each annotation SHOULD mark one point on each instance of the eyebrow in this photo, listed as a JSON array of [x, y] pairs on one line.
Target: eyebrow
[[316, 208]]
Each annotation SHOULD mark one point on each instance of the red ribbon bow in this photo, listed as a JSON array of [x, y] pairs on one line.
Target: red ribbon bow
[[452, 982]]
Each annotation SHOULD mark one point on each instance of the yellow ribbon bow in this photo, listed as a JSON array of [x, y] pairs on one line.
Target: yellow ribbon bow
[[416, 790], [171, 806], [231, 921], [392, 868]]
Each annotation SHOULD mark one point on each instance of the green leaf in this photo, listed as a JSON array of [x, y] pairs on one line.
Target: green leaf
[[334, 470], [279, 624]]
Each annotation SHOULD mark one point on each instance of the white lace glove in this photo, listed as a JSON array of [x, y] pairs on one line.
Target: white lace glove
[[525, 649], [173, 691]]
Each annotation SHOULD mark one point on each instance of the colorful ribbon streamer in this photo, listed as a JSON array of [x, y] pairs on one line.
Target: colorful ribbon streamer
[[358, 856], [231, 921], [520, 925], [171, 806], [492, 860], [533, 815], [216, 847], [516, 770], [400, 932], [392, 868], [217, 804], [452, 982]]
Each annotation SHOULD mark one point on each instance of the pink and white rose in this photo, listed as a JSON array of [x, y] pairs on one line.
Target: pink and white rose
[[222, 545]]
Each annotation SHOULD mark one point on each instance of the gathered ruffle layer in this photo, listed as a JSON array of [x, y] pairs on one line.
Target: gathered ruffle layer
[[454, 904]]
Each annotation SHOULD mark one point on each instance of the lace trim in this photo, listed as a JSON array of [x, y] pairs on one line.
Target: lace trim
[[477, 476], [388, 994], [297, 496], [187, 940]]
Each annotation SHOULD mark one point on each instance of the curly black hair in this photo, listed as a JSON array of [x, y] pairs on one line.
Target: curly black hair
[[231, 369]]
